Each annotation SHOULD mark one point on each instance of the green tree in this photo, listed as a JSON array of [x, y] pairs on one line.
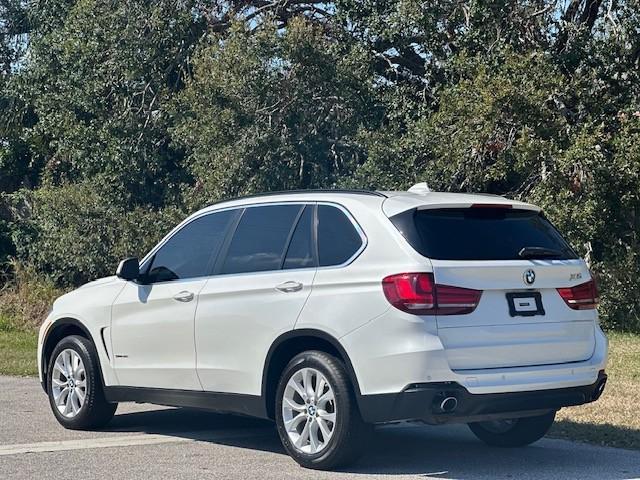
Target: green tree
[[100, 76], [265, 111]]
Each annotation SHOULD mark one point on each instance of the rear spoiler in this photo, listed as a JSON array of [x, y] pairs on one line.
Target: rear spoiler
[[436, 200]]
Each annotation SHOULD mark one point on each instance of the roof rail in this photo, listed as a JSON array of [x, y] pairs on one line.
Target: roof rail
[[354, 191]]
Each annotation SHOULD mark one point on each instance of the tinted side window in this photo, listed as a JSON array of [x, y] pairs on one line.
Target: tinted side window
[[187, 253], [259, 241], [338, 239], [300, 252]]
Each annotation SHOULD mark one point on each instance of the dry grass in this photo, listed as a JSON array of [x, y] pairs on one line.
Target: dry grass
[[613, 420], [25, 299]]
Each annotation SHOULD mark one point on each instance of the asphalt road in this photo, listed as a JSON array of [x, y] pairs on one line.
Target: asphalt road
[[148, 442]]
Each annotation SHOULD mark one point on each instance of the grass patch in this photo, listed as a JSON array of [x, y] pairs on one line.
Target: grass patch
[[17, 351], [613, 420]]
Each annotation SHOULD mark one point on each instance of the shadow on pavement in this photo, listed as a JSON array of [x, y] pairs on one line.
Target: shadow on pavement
[[442, 452], [612, 435]]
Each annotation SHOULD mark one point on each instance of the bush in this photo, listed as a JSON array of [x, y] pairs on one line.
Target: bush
[[592, 193], [75, 234], [26, 298]]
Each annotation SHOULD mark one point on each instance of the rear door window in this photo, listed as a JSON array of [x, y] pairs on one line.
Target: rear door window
[[259, 242], [338, 239], [481, 234]]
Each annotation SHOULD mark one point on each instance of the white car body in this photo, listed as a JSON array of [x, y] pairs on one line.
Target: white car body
[[216, 349]]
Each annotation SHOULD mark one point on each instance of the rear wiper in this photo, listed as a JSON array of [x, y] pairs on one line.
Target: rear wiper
[[539, 252]]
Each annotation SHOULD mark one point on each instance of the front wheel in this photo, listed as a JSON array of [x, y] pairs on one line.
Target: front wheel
[[75, 387], [516, 432], [316, 412]]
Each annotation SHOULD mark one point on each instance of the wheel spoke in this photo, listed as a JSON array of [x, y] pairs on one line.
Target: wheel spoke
[[293, 405], [306, 383], [320, 384], [292, 424], [327, 397], [59, 397], [330, 417], [296, 386], [67, 406], [314, 442], [58, 383], [74, 402], [75, 363], [66, 360], [59, 367], [304, 437], [81, 395], [326, 433]]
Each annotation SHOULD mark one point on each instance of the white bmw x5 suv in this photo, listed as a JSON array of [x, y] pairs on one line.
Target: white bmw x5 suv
[[330, 311]]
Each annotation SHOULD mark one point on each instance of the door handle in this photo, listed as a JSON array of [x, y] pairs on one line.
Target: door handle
[[288, 287], [183, 296]]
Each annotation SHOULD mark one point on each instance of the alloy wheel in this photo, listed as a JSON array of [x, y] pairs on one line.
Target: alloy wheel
[[69, 383], [309, 410]]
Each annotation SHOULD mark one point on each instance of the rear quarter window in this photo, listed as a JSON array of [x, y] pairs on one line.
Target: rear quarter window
[[479, 233], [338, 239]]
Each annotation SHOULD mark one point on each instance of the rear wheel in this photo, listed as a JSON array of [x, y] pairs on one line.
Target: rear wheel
[[316, 412], [516, 432], [75, 387]]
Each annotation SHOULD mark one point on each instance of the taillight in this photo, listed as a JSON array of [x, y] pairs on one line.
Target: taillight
[[417, 293], [581, 297]]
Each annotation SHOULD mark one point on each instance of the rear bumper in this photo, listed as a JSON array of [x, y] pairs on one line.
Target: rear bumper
[[423, 401]]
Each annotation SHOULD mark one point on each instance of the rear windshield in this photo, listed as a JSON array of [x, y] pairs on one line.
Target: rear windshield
[[482, 234]]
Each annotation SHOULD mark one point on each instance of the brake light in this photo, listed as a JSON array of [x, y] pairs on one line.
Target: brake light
[[491, 205], [581, 297], [417, 293]]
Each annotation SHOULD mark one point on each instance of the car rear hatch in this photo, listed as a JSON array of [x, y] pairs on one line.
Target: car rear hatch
[[523, 272]]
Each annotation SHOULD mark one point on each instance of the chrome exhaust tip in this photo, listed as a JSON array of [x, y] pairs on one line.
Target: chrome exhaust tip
[[597, 393], [448, 405]]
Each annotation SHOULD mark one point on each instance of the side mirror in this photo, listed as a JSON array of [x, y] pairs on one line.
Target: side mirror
[[129, 269]]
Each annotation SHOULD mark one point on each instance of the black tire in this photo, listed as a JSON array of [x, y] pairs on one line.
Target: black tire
[[517, 433], [350, 432], [95, 412]]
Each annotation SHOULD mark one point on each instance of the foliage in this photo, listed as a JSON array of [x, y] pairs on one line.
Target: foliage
[[74, 235], [593, 194], [26, 300], [285, 117], [118, 118]]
